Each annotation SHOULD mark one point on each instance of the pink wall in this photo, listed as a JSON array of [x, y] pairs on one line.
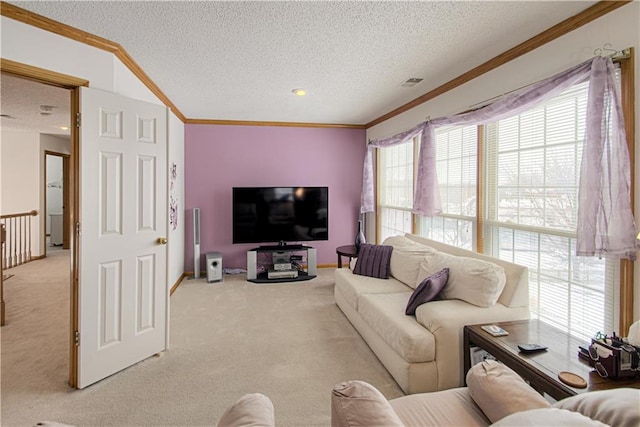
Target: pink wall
[[219, 157]]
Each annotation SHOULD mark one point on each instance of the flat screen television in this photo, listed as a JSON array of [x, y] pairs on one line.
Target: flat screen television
[[280, 214]]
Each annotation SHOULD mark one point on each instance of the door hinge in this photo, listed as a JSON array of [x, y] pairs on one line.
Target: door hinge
[[76, 338], [78, 119], [77, 230]]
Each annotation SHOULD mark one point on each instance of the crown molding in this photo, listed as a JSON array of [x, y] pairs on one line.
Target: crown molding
[[599, 9], [596, 11], [265, 123], [18, 14]]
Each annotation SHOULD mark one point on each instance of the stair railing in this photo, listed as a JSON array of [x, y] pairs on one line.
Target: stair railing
[[18, 238]]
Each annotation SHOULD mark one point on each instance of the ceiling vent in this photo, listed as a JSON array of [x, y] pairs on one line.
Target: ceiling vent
[[411, 82], [46, 110]]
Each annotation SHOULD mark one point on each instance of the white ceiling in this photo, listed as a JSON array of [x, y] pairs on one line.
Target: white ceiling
[[22, 99], [239, 60]]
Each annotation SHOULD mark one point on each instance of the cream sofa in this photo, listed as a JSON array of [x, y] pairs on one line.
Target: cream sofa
[[495, 396], [424, 352]]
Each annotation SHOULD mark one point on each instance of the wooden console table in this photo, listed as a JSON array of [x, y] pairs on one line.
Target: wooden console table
[[540, 369]]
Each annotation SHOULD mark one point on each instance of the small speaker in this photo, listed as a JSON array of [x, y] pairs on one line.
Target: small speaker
[[252, 259], [312, 256], [196, 243], [214, 267]]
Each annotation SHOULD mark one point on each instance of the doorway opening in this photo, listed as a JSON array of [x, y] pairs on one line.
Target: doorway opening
[[56, 201]]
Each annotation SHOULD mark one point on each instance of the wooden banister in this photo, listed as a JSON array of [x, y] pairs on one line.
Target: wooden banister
[[18, 238], [17, 215]]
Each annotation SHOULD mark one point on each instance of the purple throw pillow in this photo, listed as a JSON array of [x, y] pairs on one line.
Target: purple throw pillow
[[373, 261], [427, 290]]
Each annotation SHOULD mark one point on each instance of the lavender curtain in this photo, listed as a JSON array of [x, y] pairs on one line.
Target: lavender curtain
[[606, 225], [427, 184]]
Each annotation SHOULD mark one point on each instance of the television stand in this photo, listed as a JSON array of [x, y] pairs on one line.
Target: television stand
[[287, 263], [282, 247]]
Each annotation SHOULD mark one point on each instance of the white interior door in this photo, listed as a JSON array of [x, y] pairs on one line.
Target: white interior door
[[123, 198]]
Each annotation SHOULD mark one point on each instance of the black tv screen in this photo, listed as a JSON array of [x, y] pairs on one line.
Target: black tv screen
[[276, 214]]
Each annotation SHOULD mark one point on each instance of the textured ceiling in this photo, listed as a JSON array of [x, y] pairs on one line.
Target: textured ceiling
[[22, 99], [240, 60]]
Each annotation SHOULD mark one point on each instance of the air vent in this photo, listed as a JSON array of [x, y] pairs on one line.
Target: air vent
[[411, 82], [46, 110]]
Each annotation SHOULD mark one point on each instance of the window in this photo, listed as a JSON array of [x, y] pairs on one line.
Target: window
[[396, 177], [456, 164], [533, 170], [510, 189]]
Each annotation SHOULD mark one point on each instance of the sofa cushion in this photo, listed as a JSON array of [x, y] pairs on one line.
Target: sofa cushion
[[406, 258], [352, 285], [488, 383], [472, 280], [453, 407], [250, 410], [618, 407], [373, 261], [357, 403], [384, 313], [547, 417], [427, 290]]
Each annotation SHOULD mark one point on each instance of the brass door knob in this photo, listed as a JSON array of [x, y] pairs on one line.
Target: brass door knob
[[162, 240]]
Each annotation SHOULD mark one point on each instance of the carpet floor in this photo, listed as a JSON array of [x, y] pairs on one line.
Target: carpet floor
[[288, 341]]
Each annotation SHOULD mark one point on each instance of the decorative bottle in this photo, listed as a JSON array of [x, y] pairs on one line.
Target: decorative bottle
[[360, 236]]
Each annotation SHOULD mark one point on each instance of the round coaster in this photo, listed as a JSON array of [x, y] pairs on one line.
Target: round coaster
[[574, 380]]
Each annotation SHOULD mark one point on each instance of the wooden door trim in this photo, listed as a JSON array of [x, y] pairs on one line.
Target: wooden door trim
[[72, 83], [41, 75]]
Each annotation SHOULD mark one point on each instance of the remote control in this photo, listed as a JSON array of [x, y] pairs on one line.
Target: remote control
[[530, 348], [495, 330]]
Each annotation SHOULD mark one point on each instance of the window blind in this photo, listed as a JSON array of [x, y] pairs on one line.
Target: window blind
[[533, 165], [456, 166], [396, 182]]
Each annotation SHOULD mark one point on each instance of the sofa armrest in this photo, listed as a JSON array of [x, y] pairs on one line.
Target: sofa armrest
[[446, 319], [251, 410], [452, 315], [617, 407], [360, 404], [487, 383]]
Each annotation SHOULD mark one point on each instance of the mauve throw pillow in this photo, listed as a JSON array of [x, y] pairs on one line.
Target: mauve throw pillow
[[373, 261], [427, 290]]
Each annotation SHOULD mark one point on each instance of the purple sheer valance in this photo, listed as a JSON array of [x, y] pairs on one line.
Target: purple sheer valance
[[426, 191], [605, 221]]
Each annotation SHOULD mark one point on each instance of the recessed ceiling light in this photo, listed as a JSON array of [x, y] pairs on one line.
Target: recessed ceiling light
[[299, 92], [64, 127]]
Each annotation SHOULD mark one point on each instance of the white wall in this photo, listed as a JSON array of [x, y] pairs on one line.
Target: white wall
[[620, 28], [32, 46], [23, 168], [21, 179], [176, 236]]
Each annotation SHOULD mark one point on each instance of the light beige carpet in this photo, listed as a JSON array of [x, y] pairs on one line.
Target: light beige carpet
[[289, 341]]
